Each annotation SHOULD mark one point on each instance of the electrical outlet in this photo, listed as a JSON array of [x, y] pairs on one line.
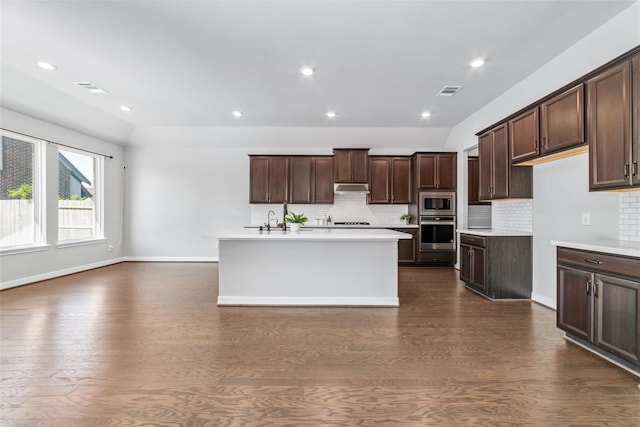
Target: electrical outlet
[[110, 248], [586, 219]]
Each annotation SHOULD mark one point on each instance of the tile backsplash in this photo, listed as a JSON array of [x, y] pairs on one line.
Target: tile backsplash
[[629, 216], [479, 216], [345, 207], [512, 215]]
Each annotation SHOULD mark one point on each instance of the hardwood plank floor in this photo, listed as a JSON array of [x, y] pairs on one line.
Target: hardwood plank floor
[[145, 344]]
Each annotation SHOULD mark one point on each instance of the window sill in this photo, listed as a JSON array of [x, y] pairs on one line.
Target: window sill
[[23, 249], [73, 243]]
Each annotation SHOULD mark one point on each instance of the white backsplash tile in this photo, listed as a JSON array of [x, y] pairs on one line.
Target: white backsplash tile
[[346, 207], [629, 216], [512, 215], [479, 216]]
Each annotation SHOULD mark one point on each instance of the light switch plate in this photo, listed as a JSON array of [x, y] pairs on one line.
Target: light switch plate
[[586, 219]]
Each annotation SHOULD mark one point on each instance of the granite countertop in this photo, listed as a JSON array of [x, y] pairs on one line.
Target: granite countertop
[[491, 232], [604, 245], [327, 234]]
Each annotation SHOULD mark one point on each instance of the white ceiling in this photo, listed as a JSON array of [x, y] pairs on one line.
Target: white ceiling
[[190, 63]]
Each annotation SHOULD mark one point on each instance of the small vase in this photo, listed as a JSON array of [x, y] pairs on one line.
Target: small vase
[[294, 227]]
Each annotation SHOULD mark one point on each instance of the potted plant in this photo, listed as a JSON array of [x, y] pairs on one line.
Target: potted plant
[[405, 218], [295, 221]]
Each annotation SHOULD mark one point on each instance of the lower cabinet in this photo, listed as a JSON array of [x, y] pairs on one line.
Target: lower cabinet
[[497, 266], [599, 301], [407, 248]]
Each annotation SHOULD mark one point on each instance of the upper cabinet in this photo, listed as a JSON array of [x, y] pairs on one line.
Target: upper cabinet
[[555, 125], [351, 165], [498, 178], [436, 171], [613, 119], [473, 187], [268, 179], [311, 179], [389, 180]]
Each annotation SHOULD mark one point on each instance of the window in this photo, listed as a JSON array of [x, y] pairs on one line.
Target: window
[[79, 195], [21, 171]]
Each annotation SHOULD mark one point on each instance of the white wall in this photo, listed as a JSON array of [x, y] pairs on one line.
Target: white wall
[[17, 269], [176, 193], [619, 35]]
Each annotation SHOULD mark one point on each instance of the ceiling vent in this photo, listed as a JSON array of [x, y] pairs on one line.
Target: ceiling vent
[[90, 87], [449, 90]]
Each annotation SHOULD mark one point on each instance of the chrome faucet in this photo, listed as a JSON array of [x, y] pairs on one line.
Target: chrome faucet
[[269, 219]]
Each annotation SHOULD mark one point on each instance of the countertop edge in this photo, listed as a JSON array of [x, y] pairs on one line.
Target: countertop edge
[[496, 233], [614, 247]]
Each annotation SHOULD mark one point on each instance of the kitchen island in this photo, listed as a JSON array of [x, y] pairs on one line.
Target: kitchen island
[[312, 267]]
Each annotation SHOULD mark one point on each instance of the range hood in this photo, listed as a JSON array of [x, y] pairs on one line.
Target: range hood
[[351, 188]]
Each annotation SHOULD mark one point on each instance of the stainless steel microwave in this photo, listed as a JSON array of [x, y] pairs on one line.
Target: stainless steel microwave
[[437, 203]]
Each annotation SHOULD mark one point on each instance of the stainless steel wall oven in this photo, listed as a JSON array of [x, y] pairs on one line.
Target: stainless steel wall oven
[[437, 233]]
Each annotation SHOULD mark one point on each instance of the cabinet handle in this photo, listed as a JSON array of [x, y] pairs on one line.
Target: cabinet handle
[[592, 261], [535, 143], [544, 142], [588, 287], [626, 170], [595, 288], [635, 168], [472, 240]]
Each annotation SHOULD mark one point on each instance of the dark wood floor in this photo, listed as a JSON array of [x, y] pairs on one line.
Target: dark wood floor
[[145, 344]]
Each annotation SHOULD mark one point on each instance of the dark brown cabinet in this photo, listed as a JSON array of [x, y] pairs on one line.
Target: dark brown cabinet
[[311, 179], [407, 248], [351, 165], [488, 265], [473, 184], [268, 179], [436, 171], [599, 301], [612, 118], [562, 121], [389, 180], [498, 178], [524, 135]]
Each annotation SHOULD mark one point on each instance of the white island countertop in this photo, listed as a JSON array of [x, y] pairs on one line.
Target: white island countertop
[[607, 246], [491, 232], [315, 234]]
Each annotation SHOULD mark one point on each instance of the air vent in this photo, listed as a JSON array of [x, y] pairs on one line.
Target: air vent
[[90, 87], [449, 90]]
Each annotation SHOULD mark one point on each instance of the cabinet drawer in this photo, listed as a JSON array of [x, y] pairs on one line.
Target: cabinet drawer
[[471, 239], [621, 266], [437, 258]]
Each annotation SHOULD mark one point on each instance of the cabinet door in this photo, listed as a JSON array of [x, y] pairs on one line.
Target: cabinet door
[[617, 316], [609, 114], [359, 165], [427, 171], [485, 165], [563, 120], [379, 180], [401, 180], [446, 167], [258, 180], [300, 182], [635, 139], [473, 171], [342, 165], [523, 135], [278, 179], [501, 163], [478, 271], [407, 248], [322, 182], [465, 263], [574, 302]]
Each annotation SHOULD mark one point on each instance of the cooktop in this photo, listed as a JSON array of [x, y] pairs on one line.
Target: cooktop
[[351, 223]]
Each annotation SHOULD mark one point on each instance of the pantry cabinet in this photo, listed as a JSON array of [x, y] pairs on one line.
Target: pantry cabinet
[[389, 180], [598, 301], [613, 120], [268, 179], [351, 165], [436, 171]]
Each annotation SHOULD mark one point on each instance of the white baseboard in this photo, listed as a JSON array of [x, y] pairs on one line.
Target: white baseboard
[[169, 259], [58, 273], [316, 301], [546, 301]]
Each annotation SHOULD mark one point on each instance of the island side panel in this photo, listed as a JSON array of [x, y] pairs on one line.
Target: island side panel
[[285, 272]]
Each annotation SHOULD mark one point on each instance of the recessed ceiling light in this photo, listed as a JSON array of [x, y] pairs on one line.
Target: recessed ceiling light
[[46, 66], [306, 71], [236, 113], [331, 114], [478, 62], [126, 108], [425, 114]]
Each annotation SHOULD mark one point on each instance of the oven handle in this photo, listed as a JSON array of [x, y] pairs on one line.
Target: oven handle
[[438, 222]]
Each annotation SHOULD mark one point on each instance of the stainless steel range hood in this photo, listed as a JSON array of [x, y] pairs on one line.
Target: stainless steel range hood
[[351, 188]]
